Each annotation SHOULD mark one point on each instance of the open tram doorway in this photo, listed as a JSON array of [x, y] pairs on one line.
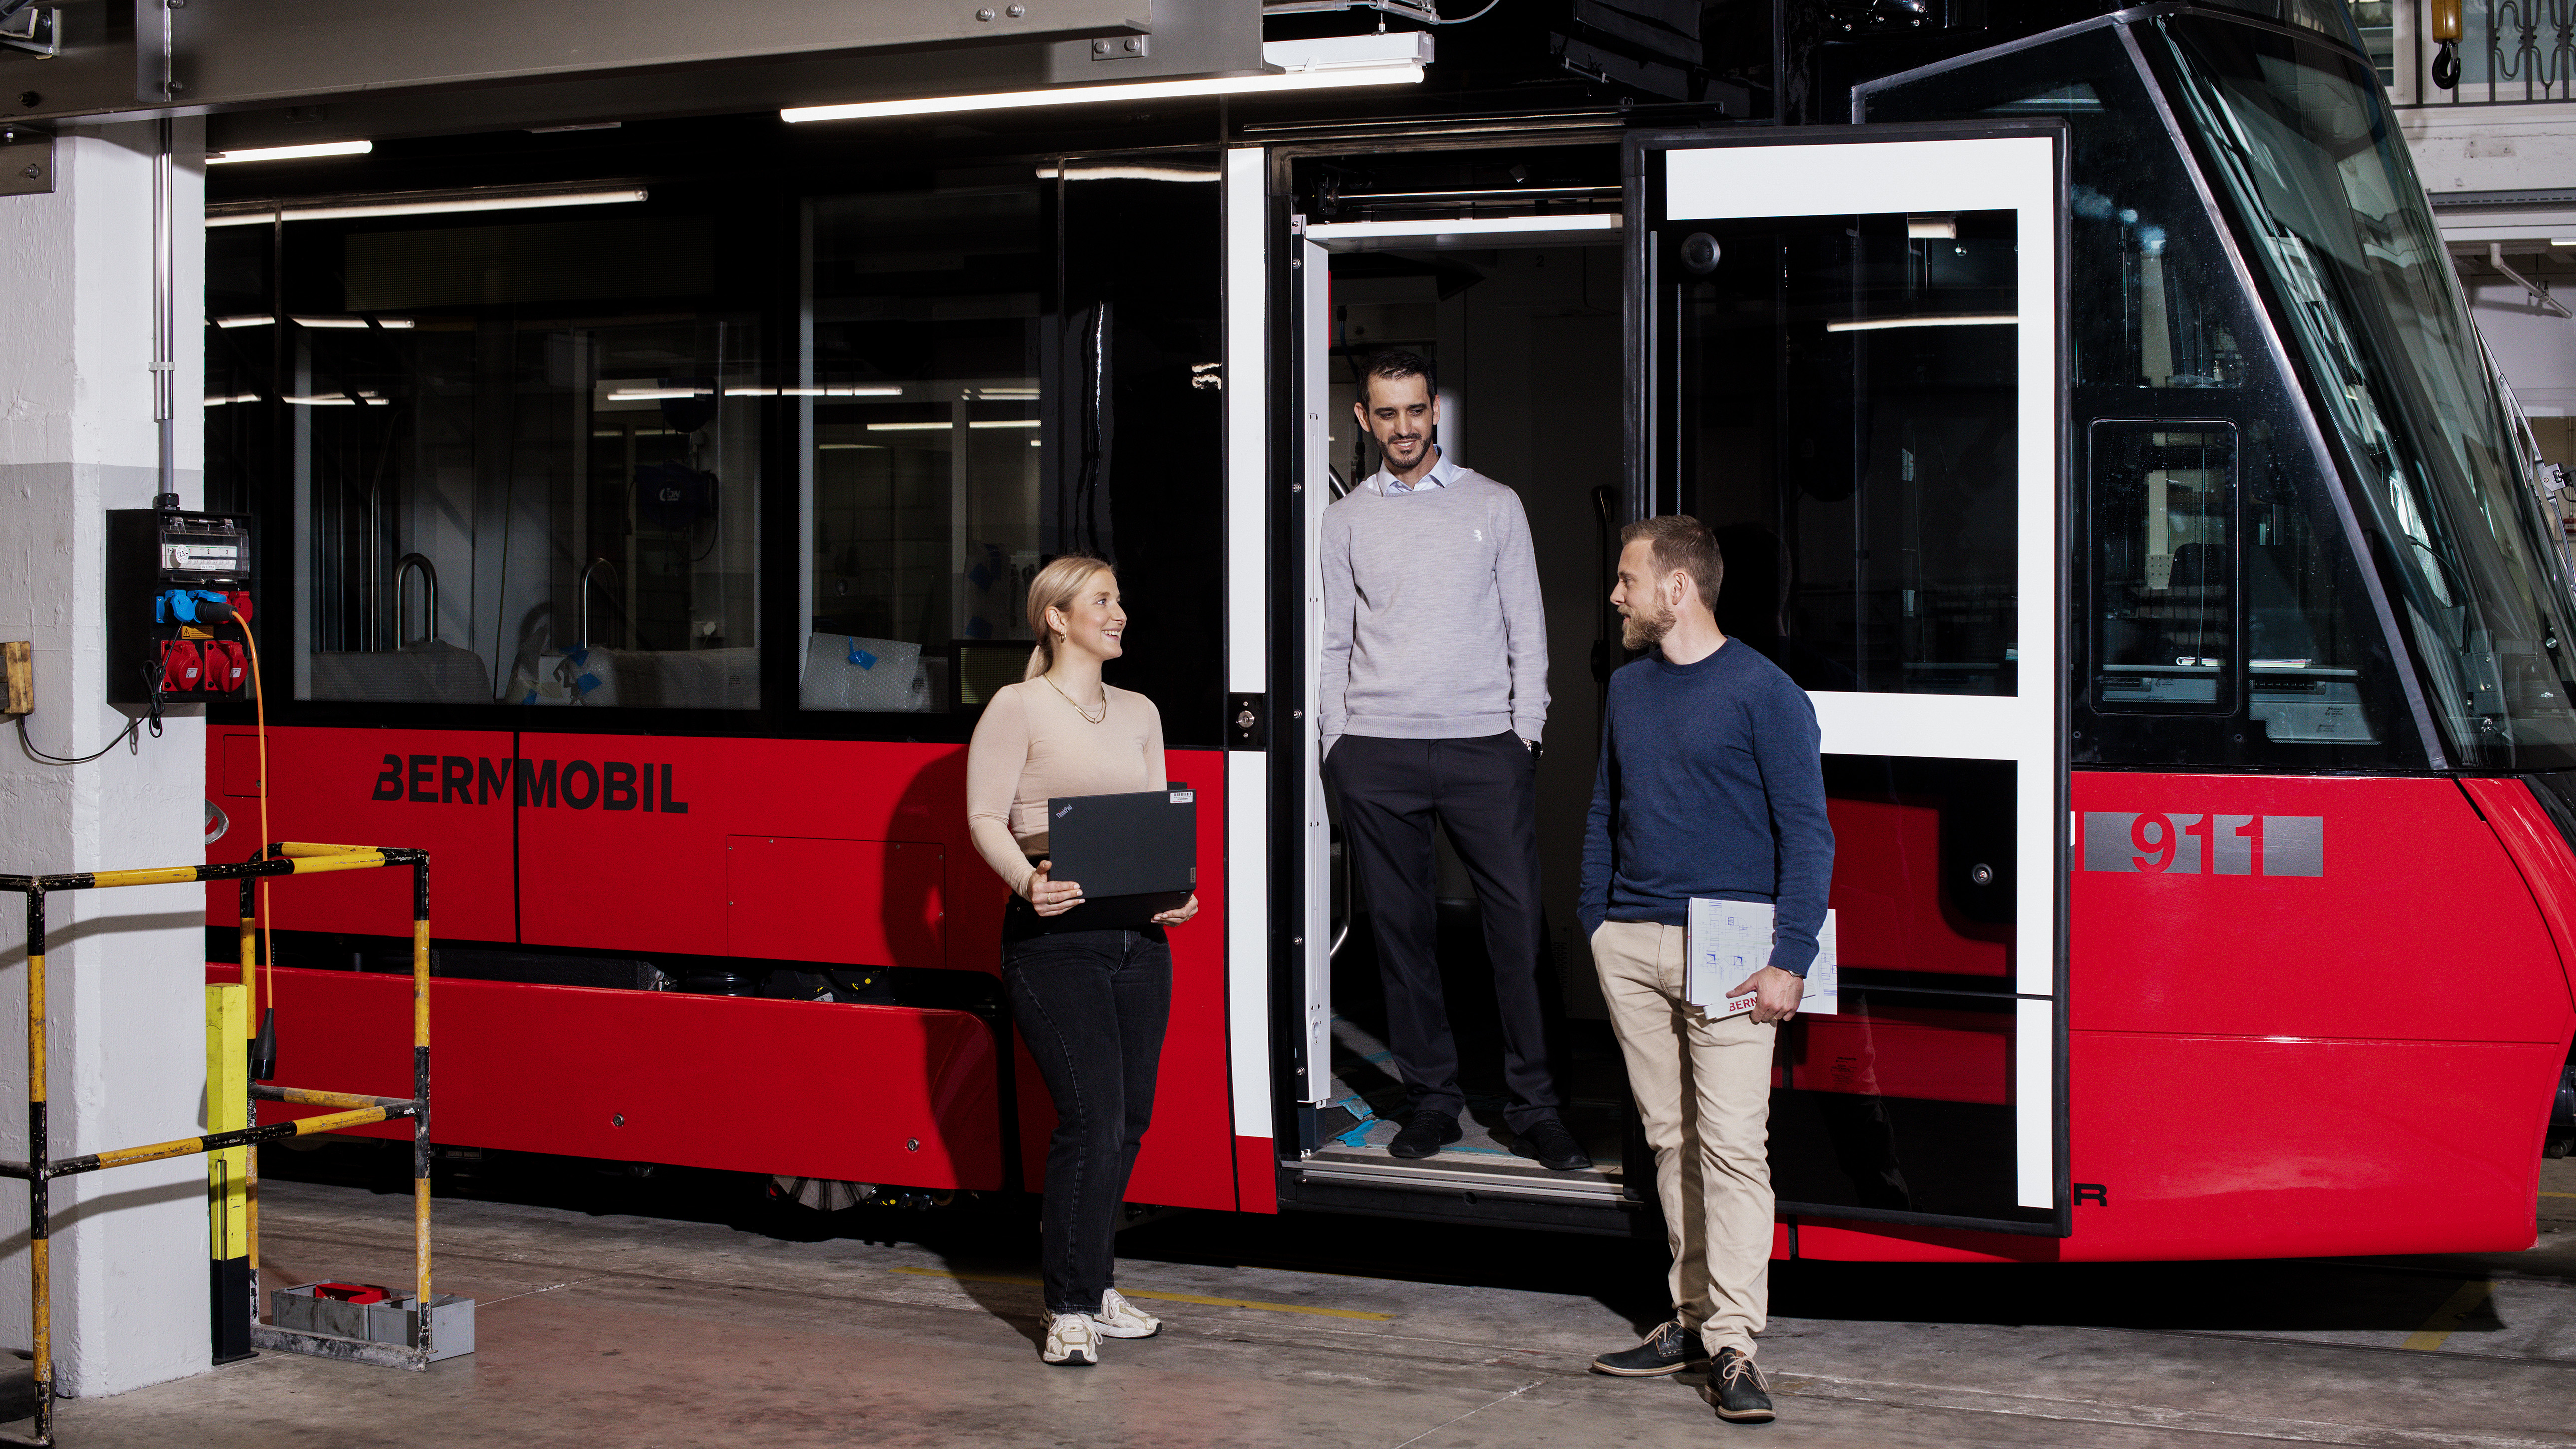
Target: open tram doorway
[[1839, 347], [1522, 319]]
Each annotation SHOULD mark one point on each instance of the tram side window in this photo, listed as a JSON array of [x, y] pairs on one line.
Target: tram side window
[[2164, 567], [919, 387], [2224, 616], [526, 464]]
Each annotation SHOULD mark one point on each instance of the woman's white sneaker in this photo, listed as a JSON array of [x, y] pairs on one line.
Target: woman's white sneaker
[[1119, 1318], [1071, 1340]]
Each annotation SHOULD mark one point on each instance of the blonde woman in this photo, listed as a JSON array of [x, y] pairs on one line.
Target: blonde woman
[[1091, 998]]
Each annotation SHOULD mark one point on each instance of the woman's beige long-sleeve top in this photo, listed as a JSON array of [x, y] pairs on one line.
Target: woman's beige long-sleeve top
[[1032, 745]]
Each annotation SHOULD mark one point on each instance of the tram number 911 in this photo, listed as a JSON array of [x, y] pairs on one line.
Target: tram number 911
[[2172, 843]]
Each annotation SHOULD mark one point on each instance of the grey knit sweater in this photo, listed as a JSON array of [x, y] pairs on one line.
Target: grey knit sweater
[[1433, 628]]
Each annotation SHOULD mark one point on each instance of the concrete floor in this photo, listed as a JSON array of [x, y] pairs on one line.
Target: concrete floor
[[604, 1328]]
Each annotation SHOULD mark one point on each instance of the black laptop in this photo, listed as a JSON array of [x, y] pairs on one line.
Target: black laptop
[[1133, 855]]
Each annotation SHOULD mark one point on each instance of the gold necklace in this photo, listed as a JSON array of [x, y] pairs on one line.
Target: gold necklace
[[1087, 716]]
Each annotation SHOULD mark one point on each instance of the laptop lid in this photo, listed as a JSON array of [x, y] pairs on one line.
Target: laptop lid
[[1132, 845]]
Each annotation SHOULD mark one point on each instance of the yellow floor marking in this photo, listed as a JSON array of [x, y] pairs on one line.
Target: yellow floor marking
[[1162, 1297], [2558, 1194], [2447, 1319]]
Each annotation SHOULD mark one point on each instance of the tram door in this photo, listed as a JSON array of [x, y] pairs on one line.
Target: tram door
[[1844, 357]]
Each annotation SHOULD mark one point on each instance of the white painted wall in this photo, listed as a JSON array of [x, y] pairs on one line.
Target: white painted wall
[[2510, 149], [2492, 148], [127, 967]]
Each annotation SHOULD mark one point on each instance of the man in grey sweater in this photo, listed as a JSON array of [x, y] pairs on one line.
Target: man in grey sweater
[[1431, 702]]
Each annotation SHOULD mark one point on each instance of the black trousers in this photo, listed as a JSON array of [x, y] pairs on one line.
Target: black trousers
[[1485, 792], [1092, 1006]]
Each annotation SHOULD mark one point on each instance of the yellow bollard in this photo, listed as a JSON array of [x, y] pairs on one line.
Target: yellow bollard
[[228, 1173]]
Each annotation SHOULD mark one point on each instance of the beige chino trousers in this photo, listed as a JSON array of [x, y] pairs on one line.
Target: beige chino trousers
[[1704, 1091]]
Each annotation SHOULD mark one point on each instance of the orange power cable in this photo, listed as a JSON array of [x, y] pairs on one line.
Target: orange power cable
[[268, 943]]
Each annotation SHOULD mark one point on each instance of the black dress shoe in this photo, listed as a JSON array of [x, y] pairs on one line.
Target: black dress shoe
[[1736, 1387], [1668, 1350], [1554, 1148], [1424, 1134]]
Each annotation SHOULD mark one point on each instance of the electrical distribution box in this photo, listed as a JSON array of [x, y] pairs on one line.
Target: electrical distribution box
[[175, 584]]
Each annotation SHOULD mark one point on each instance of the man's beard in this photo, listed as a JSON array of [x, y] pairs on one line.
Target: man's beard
[[1642, 630]]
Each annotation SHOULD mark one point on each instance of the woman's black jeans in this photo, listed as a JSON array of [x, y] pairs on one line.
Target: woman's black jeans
[[1092, 1005]]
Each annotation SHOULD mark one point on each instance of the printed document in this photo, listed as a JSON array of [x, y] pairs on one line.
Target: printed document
[[1730, 940]]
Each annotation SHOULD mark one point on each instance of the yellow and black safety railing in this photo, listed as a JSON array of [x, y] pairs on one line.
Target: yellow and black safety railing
[[41, 1168]]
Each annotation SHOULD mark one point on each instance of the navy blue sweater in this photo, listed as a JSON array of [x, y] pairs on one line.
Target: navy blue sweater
[[1709, 785]]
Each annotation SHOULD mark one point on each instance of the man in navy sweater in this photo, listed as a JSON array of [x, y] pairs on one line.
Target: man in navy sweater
[[1710, 786]]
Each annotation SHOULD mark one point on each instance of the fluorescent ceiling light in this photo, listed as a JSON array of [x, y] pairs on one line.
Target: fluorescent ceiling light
[[1130, 173], [813, 392], [850, 447], [326, 400], [1305, 65], [943, 427], [248, 397], [290, 153], [229, 322], [1884, 324], [328, 321], [427, 204], [396, 324], [656, 394], [1932, 228]]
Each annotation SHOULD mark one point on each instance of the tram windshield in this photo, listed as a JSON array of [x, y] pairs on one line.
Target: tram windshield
[[2307, 155]]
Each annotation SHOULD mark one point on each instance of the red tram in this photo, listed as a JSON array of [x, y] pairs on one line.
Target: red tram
[[2088, 410]]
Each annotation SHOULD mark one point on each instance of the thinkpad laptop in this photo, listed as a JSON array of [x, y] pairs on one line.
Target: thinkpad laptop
[[1133, 855]]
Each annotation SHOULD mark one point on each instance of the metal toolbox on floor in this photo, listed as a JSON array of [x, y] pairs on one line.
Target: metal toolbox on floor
[[369, 1317]]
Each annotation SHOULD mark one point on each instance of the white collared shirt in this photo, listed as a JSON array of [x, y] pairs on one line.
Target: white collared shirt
[[1441, 475]]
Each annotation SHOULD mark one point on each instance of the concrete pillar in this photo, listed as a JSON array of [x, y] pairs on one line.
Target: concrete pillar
[[127, 970]]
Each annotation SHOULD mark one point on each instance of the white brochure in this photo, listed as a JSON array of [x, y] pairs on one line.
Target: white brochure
[[1730, 940]]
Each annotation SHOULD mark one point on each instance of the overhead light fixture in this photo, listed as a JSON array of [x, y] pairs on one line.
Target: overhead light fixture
[[246, 397], [657, 394], [231, 322], [290, 153], [325, 400], [418, 203], [813, 392], [943, 427], [1887, 324], [395, 324], [1304, 65], [1130, 173]]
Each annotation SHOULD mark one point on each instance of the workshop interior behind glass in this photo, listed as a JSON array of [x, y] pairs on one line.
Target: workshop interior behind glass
[[529, 453]]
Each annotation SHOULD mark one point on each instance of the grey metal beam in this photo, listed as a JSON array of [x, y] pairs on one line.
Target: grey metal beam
[[1216, 38], [245, 55], [232, 52]]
